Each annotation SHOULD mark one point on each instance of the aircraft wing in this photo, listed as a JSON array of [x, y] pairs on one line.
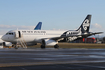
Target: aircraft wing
[[89, 34], [83, 35]]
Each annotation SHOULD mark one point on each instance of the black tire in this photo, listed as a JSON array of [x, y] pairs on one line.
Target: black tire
[[42, 46], [56, 46], [16, 47], [13, 45]]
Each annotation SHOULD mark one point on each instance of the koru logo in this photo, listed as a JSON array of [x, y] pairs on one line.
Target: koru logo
[[85, 24]]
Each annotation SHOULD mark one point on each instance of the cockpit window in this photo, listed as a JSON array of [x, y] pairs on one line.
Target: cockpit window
[[9, 33], [6, 33]]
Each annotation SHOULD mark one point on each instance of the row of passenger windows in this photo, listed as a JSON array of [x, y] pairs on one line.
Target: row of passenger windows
[[34, 31], [9, 33]]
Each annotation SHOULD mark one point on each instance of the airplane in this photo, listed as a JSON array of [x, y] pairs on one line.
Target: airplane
[[4, 43], [48, 37]]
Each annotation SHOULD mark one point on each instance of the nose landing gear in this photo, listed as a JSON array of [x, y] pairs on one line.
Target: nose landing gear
[[56, 46]]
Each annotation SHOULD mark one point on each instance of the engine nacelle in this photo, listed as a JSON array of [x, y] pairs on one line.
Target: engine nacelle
[[49, 42], [7, 44]]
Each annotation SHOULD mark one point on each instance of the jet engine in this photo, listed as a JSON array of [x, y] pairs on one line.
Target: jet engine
[[7, 44], [49, 42]]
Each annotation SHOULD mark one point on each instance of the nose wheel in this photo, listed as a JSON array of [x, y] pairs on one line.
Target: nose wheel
[[16, 47], [56, 46]]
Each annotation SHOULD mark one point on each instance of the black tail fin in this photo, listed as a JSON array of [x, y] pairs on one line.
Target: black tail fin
[[85, 25]]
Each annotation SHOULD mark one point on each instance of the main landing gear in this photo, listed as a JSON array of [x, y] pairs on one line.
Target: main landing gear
[[43, 46], [16, 47]]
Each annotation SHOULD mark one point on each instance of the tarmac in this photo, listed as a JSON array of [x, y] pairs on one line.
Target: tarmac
[[52, 59]]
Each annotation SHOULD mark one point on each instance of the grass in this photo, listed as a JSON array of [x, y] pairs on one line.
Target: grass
[[74, 45]]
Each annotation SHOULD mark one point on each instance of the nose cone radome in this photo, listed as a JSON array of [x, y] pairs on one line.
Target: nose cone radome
[[3, 38]]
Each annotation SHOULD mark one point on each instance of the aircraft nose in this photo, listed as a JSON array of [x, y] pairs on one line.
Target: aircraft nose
[[3, 38]]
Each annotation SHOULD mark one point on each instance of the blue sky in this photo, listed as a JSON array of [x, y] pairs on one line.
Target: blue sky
[[54, 14]]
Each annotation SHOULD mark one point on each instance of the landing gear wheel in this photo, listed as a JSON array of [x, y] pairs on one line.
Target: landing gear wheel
[[56, 46], [42, 46], [13, 45], [16, 47]]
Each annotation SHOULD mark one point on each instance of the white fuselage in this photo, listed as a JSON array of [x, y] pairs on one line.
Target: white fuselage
[[34, 36], [31, 35], [37, 35]]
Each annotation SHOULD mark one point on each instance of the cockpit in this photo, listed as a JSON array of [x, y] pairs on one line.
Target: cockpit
[[9, 36]]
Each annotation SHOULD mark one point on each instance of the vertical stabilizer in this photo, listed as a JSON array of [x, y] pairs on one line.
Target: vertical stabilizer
[[85, 25], [38, 27]]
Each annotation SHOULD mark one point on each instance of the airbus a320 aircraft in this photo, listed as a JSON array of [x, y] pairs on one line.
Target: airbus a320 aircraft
[[4, 43], [48, 37]]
